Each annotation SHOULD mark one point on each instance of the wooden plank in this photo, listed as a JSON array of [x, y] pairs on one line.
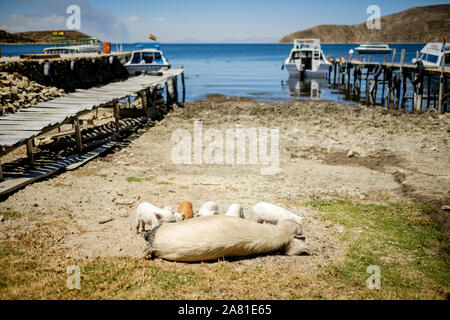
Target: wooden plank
[[26, 133], [22, 127], [79, 161], [70, 163]]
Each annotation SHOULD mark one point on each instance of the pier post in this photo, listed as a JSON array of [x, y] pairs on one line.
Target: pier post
[[384, 81], [389, 90], [339, 77], [30, 152], [428, 90], [145, 104], [79, 142], [117, 115], [347, 80], [183, 86], [143, 97], [445, 108], [375, 89], [398, 85], [367, 85], [334, 70], [168, 98], [419, 96], [393, 56], [404, 96], [175, 89], [441, 88]]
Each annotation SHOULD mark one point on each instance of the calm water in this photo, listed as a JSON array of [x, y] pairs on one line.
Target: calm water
[[245, 70]]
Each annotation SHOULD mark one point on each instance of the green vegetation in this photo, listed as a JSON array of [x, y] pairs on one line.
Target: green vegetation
[[399, 238], [10, 214], [135, 179]]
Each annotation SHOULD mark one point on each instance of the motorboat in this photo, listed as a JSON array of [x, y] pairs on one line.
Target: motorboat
[[147, 60], [431, 55], [85, 45], [373, 48], [85, 48], [307, 59]]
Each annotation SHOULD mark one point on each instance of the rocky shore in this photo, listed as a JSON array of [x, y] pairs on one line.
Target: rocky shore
[[17, 92]]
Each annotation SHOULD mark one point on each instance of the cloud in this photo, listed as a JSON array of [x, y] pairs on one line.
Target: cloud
[[35, 21], [13, 29], [52, 14], [159, 19], [133, 19]]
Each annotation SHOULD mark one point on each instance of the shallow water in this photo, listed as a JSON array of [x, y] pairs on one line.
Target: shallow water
[[244, 70]]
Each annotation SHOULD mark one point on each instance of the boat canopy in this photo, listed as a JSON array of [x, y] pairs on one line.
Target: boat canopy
[[139, 46], [313, 44]]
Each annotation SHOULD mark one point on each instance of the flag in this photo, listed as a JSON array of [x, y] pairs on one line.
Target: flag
[[152, 37], [58, 33]]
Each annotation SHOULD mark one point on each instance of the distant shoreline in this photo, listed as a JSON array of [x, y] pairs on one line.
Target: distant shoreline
[[215, 43]]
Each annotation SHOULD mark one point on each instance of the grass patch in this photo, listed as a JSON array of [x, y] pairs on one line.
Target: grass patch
[[10, 214], [399, 238], [62, 185], [135, 179], [164, 182]]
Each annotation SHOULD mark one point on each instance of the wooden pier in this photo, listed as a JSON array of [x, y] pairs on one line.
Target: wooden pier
[[392, 82], [21, 128]]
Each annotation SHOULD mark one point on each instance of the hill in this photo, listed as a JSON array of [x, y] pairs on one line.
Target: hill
[[42, 37], [415, 25]]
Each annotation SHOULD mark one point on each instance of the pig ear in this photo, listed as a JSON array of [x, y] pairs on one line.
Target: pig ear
[[158, 216]]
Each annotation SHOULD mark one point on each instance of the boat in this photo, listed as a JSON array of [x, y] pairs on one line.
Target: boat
[[306, 59], [373, 48], [84, 45], [147, 60], [72, 49], [431, 55]]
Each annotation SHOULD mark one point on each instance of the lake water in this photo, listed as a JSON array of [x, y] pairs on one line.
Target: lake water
[[244, 70]]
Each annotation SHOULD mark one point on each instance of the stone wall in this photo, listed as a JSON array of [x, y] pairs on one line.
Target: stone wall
[[24, 83], [70, 73]]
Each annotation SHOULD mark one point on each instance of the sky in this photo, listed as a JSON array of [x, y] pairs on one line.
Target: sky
[[175, 21]]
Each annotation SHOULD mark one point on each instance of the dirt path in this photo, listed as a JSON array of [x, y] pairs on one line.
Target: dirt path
[[327, 150]]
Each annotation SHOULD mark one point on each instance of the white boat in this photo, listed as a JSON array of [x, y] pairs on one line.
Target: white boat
[[306, 59], [431, 55], [147, 60], [373, 48], [73, 49]]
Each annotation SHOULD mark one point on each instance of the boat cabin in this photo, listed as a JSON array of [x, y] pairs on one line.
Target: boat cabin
[[146, 56], [432, 54]]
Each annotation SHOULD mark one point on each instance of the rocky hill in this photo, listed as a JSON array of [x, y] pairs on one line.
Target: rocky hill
[[41, 37], [415, 25]]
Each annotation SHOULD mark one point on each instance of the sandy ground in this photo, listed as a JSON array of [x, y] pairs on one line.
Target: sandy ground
[[327, 151]]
